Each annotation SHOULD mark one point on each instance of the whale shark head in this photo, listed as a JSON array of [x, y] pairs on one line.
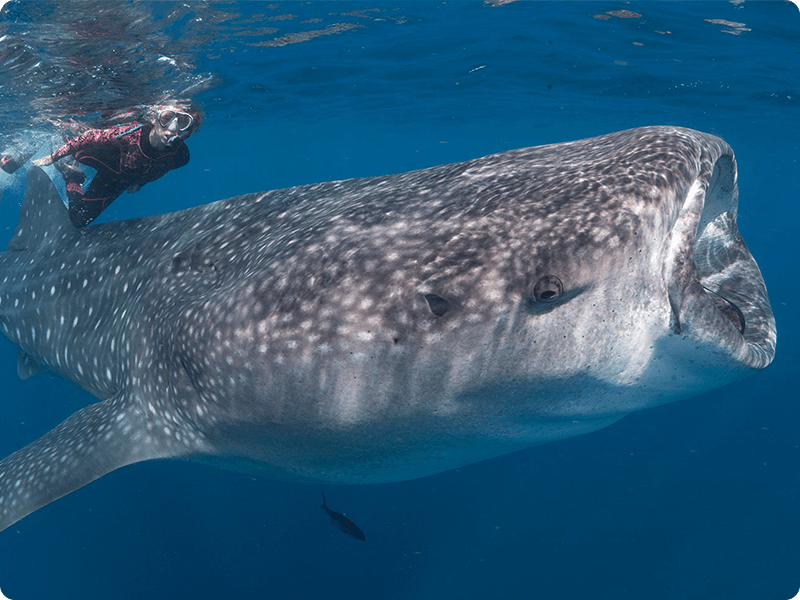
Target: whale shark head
[[386, 328]]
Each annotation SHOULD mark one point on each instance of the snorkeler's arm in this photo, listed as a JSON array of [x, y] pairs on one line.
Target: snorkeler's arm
[[93, 137]]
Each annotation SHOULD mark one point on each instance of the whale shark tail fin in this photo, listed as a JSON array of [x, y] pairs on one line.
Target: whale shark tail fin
[[43, 217]]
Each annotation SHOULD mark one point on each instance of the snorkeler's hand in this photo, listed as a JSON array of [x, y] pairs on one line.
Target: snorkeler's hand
[[44, 161], [134, 188]]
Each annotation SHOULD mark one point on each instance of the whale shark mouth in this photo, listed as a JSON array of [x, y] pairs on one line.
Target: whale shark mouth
[[716, 291]]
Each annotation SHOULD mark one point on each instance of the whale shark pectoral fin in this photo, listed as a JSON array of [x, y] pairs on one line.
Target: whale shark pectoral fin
[[94, 441]]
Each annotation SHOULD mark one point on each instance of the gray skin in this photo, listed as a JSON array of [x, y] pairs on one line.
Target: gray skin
[[386, 328]]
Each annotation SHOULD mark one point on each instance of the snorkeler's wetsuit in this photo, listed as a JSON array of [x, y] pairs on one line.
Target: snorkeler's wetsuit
[[123, 157]]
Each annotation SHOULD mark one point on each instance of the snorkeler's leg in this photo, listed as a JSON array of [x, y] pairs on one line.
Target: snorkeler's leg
[[85, 207], [70, 170], [83, 211]]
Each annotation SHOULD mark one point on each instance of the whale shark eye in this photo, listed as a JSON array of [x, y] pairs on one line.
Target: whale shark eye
[[548, 289], [437, 304]]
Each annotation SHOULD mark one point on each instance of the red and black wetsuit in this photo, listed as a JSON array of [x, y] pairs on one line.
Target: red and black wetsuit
[[123, 157]]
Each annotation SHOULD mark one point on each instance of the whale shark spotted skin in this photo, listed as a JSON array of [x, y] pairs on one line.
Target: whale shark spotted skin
[[386, 328]]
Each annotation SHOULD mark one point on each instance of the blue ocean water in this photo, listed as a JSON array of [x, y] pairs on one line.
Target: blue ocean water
[[697, 499]]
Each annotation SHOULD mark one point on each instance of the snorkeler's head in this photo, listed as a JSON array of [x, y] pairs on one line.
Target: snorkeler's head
[[174, 122]]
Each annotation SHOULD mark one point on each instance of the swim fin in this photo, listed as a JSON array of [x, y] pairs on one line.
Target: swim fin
[[13, 158]]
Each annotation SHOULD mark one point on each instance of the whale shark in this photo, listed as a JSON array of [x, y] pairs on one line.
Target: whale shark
[[386, 328]]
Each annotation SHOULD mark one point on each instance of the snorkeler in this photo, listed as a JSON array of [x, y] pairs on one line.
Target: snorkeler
[[125, 157]]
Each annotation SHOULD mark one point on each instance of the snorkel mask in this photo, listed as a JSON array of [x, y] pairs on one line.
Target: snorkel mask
[[184, 121]]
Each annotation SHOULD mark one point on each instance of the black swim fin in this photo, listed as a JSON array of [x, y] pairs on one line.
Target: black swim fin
[[12, 159]]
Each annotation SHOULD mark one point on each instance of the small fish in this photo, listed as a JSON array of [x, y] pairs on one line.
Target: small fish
[[344, 524]]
